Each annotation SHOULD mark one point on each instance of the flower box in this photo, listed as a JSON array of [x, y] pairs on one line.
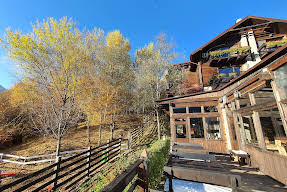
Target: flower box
[[279, 43], [227, 52]]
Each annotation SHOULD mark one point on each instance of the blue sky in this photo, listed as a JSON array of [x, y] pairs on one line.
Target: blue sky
[[189, 23]]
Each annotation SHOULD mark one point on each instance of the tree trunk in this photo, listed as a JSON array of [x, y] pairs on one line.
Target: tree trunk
[[58, 141], [112, 131], [100, 134], [112, 127], [88, 132], [100, 130], [158, 124]]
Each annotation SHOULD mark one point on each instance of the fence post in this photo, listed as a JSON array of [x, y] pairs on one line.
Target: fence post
[[143, 173], [57, 169], [89, 161]]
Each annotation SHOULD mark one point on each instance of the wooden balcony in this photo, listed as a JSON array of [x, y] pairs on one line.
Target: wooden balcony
[[229, 57], [270, 47]]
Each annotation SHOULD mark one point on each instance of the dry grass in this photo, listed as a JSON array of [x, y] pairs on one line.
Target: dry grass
[[76, 139]]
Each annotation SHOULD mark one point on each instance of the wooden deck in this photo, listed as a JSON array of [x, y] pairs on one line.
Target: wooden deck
[[218, 169], [251, 179]]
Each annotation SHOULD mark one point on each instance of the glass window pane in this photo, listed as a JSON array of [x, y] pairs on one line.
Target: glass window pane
[[213, 127], [179, 110], [209, 109], [196, 128], [194, 109], [180, 131]]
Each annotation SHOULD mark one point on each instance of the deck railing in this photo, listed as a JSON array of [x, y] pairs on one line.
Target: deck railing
[[139, 170]]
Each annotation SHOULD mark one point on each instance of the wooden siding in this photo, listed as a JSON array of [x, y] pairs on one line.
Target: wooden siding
[[207, 73]]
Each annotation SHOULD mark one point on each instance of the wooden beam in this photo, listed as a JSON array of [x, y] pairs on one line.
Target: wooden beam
[[278, 64], [257, 107], [254, 87], [241, 127], [200, 74], [257, 123], [251, 26], [235, 122], [172, 126], [281, 106], [195, 115], [197, 104]]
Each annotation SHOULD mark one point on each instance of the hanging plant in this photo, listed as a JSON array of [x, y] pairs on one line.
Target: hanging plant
[[229, 51], [271, 44]]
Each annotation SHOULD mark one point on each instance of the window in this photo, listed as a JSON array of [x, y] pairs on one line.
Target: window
[[196, 128], [194, 110], [179, 110], [213, 127], [180, 131], [209, 109]]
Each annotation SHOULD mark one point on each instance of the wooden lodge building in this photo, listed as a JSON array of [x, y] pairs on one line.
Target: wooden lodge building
[[238, 96]]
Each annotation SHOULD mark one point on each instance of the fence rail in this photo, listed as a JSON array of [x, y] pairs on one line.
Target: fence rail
[[67, 172], [27, 162]]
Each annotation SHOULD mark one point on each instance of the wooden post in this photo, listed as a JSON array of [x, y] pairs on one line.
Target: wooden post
[[281, 109], [241, 127], [143, 173], [172, 127], [226, 128], [187, 120], [235, 122], [199, 67], [205, 130], [89, 160], [257, 123], [57, 169]]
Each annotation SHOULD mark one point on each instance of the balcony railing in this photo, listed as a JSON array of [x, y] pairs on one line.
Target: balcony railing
[[229, 52], [224, 76], [274, 44], [232, 56], [270, 47]]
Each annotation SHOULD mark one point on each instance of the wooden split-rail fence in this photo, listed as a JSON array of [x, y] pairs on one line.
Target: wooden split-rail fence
[[135, 135], [68, 173]]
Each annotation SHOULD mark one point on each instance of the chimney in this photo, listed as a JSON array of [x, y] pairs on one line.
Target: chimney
[[238, 20]]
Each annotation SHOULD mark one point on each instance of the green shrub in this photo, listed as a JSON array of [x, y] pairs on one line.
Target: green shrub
[[157, 156]]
